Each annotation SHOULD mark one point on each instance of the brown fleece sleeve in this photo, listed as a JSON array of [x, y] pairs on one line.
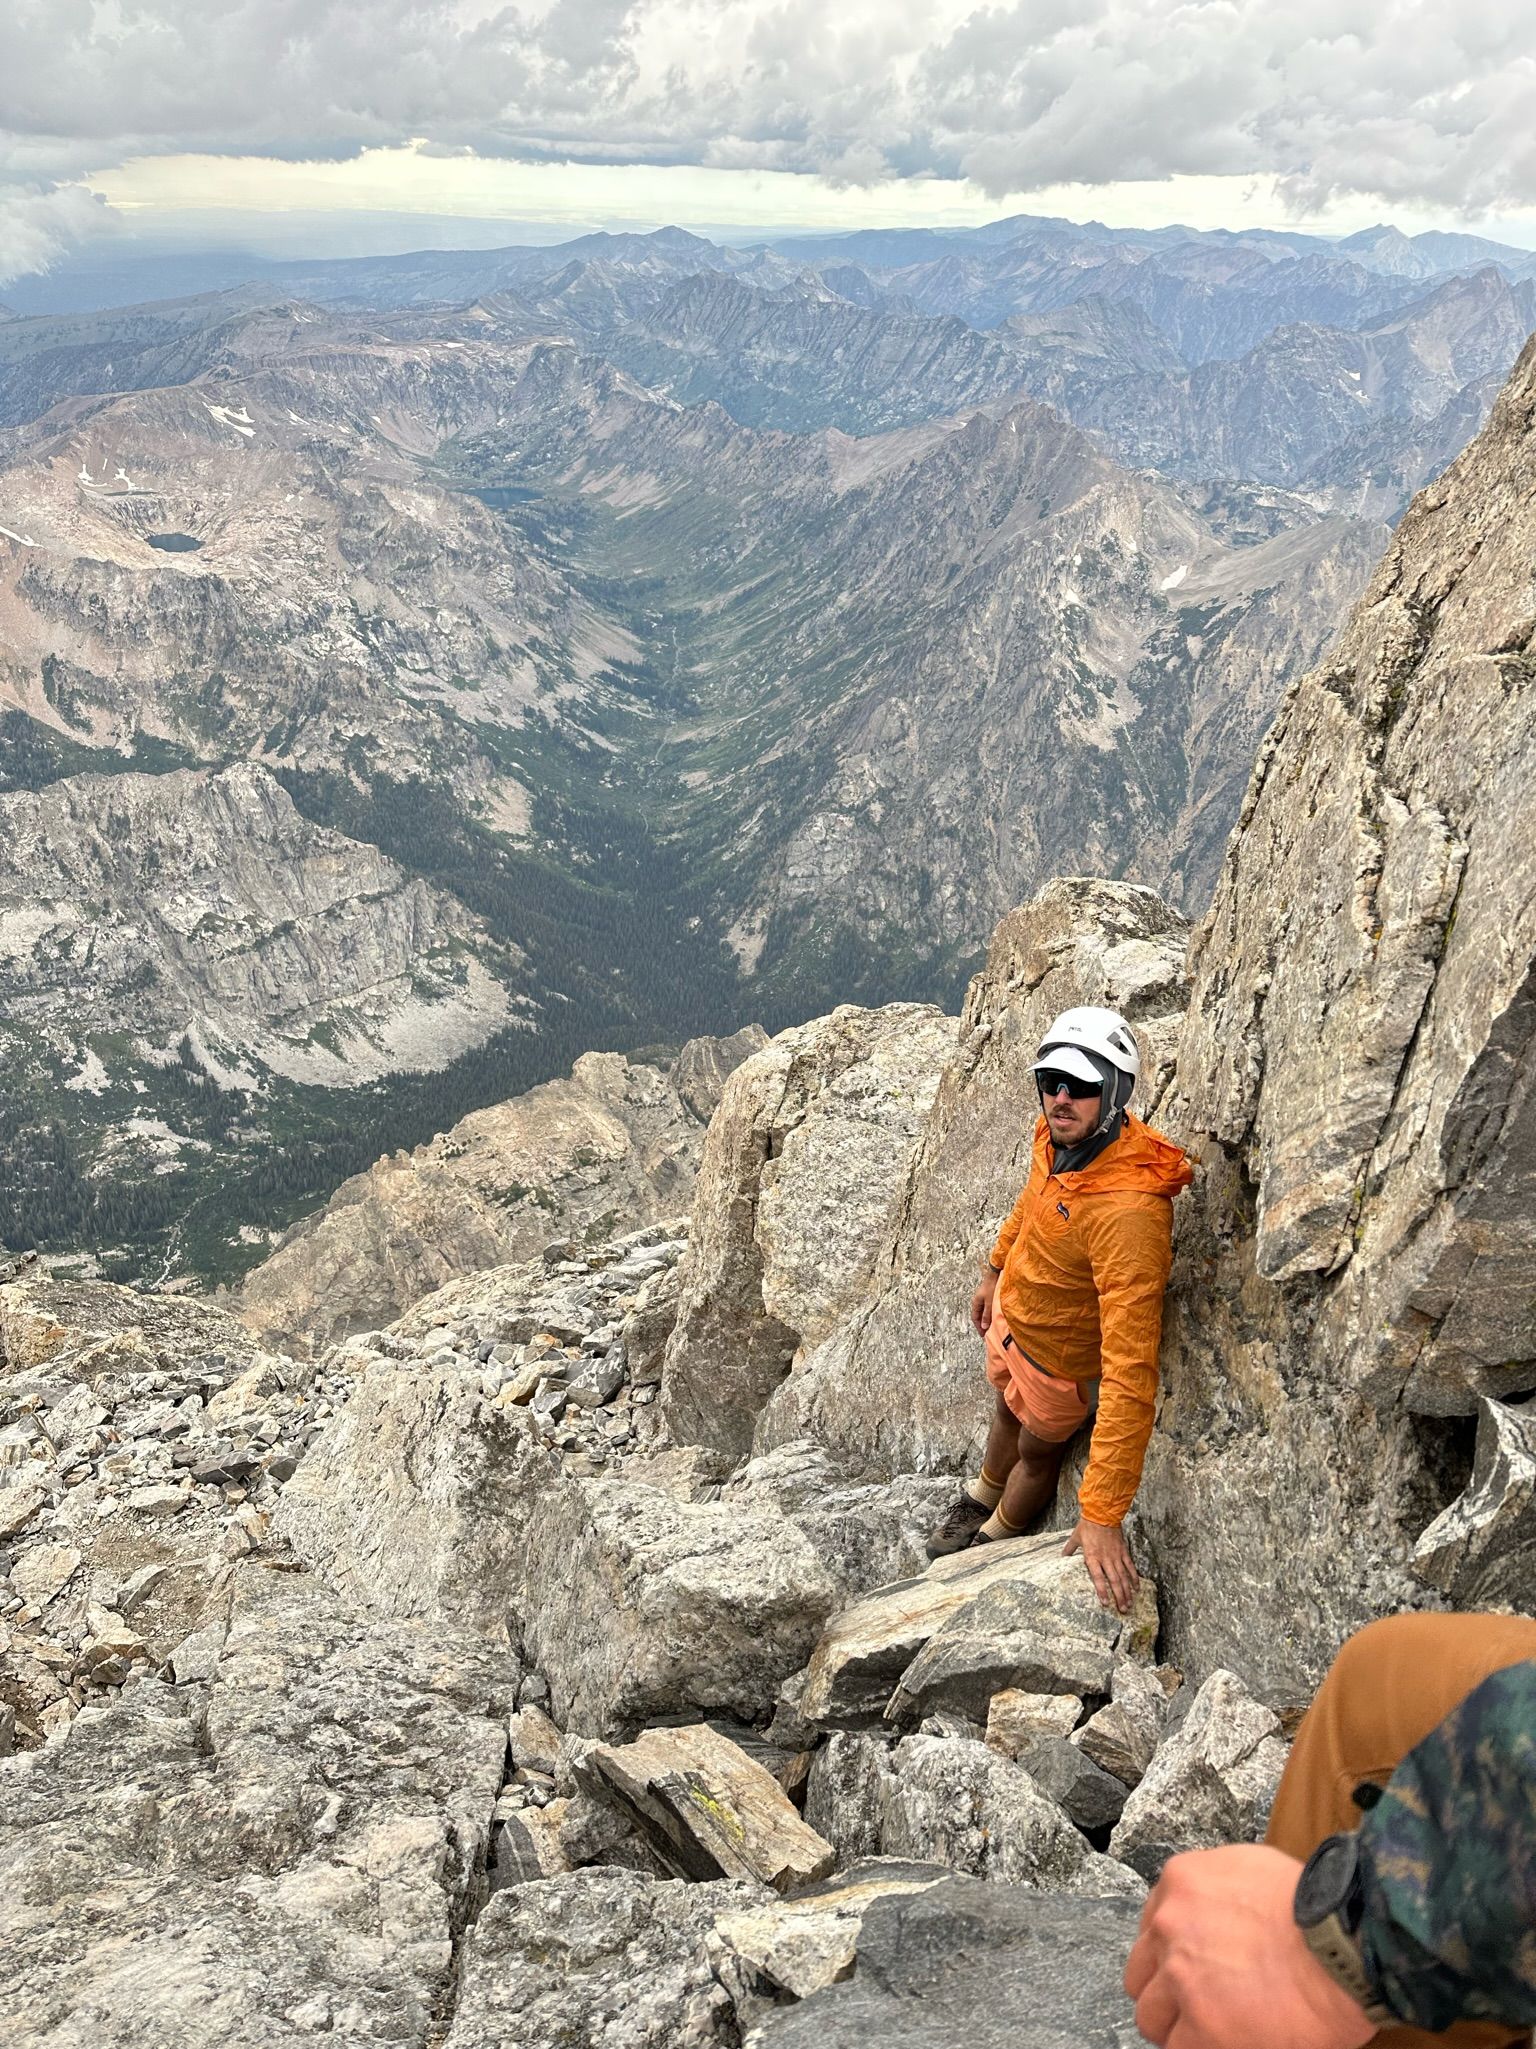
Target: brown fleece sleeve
[[1131, 1250]]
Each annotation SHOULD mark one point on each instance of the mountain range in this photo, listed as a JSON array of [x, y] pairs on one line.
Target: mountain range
[[416, 672]]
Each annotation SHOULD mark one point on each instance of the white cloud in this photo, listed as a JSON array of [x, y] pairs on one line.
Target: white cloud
[[37, 227], [1410, 100]]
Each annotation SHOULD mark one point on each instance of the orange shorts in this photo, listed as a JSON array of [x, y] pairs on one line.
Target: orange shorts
[[1050, 1408]]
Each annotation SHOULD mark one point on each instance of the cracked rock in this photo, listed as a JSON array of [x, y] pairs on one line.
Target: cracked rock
[[1481, 1551], [594, 1958], [1212, 1782], [1087, 1795], [960, 1804], [707, 1809], [961, 1965], [1011, 1616]]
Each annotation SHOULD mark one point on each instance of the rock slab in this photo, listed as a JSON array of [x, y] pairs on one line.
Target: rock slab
[[1212, 1782], [969, 1966], [707, 1809]]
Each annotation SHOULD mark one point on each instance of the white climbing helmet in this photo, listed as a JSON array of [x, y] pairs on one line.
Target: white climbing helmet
[[1080, 1037]]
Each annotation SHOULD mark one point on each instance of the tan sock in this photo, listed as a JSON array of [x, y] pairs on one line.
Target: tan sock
[[985, 1491], [997, 1525]]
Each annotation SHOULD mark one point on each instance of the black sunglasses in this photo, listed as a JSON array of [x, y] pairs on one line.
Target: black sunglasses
[[1052, 1081]]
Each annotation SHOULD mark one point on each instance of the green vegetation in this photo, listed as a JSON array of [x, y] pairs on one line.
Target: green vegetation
[[652, 786], [33, 756]]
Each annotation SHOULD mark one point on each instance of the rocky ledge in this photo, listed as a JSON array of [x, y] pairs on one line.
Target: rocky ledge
[[427, 1692]]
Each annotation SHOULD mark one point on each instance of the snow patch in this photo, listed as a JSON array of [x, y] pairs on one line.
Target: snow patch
[[21, 540], [227, 416], [1172, 581], [93, 1079]]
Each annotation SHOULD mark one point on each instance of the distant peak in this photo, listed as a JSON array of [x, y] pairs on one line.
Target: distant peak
[[1382, 236]]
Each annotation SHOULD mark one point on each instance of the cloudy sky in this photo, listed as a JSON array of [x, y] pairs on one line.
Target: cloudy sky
[[769, 113]]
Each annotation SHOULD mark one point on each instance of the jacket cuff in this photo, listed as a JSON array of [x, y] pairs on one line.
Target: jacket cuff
[[1100, 1520]]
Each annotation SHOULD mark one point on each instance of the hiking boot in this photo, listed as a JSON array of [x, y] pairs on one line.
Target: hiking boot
[[958, 1527]]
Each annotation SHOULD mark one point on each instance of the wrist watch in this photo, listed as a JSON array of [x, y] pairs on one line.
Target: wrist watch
[[1328, 1906]]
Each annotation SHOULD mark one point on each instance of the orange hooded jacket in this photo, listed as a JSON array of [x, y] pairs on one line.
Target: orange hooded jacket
[[1085, 1260]]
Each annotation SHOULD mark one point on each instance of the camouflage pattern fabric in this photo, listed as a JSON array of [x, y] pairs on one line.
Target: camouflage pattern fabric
[[1448, 1866]]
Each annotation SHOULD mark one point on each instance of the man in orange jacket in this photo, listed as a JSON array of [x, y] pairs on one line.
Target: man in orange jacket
[[1071, 1305]]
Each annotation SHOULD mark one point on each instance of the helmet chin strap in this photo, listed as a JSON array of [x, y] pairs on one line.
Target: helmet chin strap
[[1117, 1091]]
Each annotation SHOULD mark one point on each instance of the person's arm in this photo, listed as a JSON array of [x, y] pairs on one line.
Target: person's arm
[[984, 1300], [1447, 1930], [1448, 1866], [1130, 1250]]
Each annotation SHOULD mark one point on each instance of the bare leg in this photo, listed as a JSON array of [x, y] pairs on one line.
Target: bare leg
[[1002, 1453], [1032, 1480]]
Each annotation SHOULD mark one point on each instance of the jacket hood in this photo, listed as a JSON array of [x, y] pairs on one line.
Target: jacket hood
[[1140, 1159]]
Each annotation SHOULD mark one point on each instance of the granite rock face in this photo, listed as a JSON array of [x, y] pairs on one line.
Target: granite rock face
[[969, 1966], [1353, 1073], [1212, 1781], [611, 1148], [898, 1383], [599, 1956], [286, 1849], [150, 907], [796, 1201], [1481, 1551]]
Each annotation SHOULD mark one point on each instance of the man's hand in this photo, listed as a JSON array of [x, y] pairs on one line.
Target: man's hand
[[1110, 1564], [1220, 1960], [982, 1300]]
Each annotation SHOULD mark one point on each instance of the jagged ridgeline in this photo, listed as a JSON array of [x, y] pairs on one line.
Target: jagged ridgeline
[[420, 673], [382, 1683]]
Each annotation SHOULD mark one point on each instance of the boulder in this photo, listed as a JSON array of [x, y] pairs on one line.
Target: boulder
[[1481, 1551], [898, 1378], [1124, 1734], [285, 1853], [418, 1499], [869, 1647], [845, 1793], [802, 1169], [526, 1845], [1086, 1794], [707, 1809], [866, 1534], [1213, 1781], [958, 1803], [1043, 1634], [798, 1946], [1015, 1718], [636, 1606], [648, 1325], [597, 1957], [961, 1965], [534, 1740]]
